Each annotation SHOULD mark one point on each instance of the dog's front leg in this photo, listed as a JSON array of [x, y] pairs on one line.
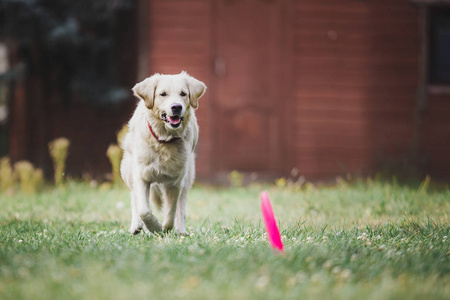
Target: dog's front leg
[[171, 195], [180, 216], [141, 189], [136, 222]]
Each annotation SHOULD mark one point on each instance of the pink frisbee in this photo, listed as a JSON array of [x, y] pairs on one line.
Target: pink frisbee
[[271, 224]]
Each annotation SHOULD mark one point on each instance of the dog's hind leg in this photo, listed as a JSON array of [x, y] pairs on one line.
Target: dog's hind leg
[[171, 195]]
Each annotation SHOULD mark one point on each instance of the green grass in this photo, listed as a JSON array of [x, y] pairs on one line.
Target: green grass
[[364, 240]]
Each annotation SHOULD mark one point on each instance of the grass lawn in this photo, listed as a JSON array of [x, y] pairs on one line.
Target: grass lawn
[[364, 240]]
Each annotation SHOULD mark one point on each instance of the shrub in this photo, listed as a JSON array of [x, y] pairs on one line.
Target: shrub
[[58, 151], [114, 154], [236, 178], [31, 180], [6, 176], [121, 134], [281, 182]]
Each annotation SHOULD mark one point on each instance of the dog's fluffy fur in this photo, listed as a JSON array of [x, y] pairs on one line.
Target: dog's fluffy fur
[[161, 168]]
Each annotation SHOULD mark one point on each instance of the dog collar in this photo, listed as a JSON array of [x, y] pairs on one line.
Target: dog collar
[[162, 141]]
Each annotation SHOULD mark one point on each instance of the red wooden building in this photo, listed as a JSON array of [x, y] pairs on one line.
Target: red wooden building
[[325, 87]]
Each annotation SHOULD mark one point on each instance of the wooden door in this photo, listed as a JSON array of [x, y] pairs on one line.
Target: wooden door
[[248, 101]]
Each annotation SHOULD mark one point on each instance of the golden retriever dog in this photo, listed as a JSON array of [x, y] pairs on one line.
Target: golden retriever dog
[[158, 162]]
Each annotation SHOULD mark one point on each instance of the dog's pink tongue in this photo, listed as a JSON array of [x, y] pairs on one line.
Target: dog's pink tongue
[[174, 120]]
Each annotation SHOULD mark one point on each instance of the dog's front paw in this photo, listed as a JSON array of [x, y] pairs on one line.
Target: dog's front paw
[[136, 227], [134, 230], [151, 222], [185, 233], [181, 232]]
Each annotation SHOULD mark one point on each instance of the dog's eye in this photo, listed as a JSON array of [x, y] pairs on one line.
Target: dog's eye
[[163, 94], [183, 94]]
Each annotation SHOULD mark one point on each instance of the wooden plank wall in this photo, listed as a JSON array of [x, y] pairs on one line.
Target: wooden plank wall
[[354, 78], [179, 34], [355, 84], [435, 136]]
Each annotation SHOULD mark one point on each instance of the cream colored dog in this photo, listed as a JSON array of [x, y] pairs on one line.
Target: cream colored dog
[[158, 161]]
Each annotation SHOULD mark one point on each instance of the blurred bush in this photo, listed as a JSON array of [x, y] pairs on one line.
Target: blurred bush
[[115, 154], [31, 180], [121, 135], [58, 151], [236, 178], [6, 176]]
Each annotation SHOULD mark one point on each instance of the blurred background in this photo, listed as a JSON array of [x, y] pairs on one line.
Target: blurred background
[[296, 88]]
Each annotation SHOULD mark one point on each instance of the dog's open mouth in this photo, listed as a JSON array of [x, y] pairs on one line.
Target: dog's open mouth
[[174, 121]]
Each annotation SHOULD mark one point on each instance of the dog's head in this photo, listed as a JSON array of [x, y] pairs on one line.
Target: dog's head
[[170, 97]]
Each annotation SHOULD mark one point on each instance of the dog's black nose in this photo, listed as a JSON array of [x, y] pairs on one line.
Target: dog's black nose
[[176, 108]]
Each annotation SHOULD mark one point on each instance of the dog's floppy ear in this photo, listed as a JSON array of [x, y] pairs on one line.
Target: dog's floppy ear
[[196, 89], [145, 90]]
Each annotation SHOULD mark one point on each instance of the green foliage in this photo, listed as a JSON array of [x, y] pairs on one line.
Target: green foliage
[[72, 45], [376, 240], [58, 151]]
